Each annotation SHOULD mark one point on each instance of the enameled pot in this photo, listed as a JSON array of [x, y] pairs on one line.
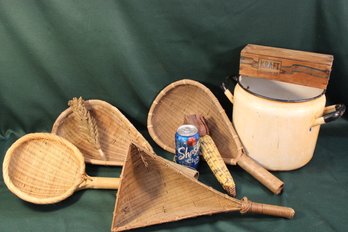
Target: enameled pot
[[278, 123]]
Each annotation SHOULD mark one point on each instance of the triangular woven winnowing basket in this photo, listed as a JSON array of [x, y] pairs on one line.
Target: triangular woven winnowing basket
[[191, 97], [115, 133], [153, 192]]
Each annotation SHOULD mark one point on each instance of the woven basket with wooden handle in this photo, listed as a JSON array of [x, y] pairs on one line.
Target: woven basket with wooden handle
[[186, 97], [44, 168], [167, 195]]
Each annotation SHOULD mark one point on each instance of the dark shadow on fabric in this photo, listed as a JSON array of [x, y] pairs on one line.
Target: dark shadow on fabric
[[226, 63], [334, 130], [103, 171], [327, 43], [57, 206], [233, 217]]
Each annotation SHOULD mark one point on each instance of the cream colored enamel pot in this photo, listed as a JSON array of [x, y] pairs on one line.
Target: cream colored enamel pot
[[278, 123]]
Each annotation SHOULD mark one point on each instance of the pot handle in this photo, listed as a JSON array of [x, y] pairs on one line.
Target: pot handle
[[331, 113], [226, 90]]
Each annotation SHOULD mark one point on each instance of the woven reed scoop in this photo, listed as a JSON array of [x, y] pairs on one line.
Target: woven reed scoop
[[211, 154]]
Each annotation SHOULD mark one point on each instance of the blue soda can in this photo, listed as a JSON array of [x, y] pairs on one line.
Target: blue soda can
[[187, 146]]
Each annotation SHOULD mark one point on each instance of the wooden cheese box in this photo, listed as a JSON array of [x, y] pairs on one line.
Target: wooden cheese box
[[292, 66]]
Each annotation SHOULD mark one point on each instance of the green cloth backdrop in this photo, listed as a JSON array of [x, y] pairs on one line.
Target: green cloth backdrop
[[125, 52]]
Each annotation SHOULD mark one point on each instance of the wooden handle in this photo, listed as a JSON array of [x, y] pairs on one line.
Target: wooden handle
[[261, 174], [272, 210], [99, 183]]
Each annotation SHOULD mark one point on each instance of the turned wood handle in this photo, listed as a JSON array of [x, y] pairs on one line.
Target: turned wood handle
[[99, 183], [261, 174], [266, 209]]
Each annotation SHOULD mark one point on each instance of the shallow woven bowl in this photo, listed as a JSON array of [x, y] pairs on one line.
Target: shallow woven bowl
[[115, 133], [42, 168]]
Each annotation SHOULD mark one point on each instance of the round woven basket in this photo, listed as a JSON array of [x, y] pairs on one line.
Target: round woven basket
[[114, 129], [43, 168]]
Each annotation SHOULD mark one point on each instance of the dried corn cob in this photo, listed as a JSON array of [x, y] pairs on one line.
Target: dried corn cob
[[217, 165], [212, 155]]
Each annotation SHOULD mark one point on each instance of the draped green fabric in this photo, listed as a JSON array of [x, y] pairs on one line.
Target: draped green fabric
[[125, 52]]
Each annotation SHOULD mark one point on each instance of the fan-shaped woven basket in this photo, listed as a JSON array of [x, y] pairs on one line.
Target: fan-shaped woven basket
[[114, 129], [167, 195], [191, 97]]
